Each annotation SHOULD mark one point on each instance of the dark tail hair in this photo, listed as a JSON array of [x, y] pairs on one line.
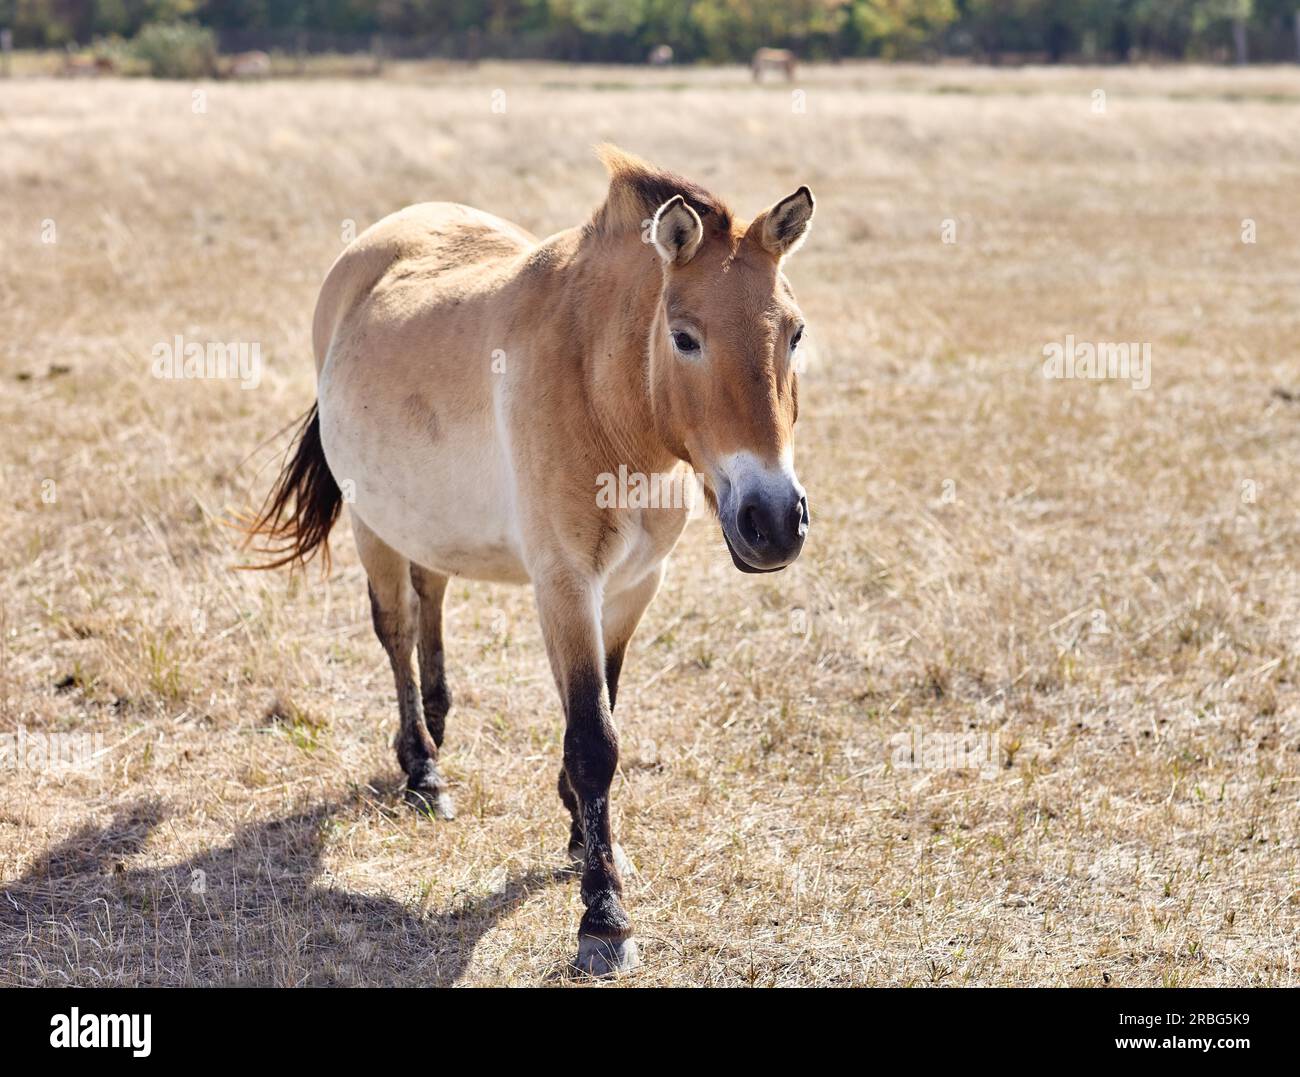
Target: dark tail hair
[[293, 535]]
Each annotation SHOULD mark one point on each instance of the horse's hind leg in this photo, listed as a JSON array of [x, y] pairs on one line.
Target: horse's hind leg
[[395, 609], [434, 694]]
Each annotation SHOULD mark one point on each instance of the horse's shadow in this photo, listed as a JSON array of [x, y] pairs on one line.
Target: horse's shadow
[[261, 910]]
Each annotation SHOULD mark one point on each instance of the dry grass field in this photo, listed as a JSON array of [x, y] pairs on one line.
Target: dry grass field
[[1095, 584]]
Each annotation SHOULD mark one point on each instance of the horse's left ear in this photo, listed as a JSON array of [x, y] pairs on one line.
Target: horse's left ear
[[783, 227]]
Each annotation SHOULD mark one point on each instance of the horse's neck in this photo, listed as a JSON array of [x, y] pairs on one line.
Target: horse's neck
[[618, 322]]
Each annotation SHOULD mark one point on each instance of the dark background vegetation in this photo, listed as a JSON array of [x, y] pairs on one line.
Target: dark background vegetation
[[699, 30]]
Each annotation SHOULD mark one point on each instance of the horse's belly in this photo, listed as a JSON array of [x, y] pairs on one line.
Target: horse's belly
[[466, 526], [447, 512], [445, 503]]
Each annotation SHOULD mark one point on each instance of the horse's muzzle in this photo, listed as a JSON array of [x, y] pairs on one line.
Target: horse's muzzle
[[766, 531]]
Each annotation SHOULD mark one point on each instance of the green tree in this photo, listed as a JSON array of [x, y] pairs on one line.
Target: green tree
[[608, 16], [900, 28], [733, 29]]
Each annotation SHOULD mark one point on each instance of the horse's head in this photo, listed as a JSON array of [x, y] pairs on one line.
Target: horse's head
[[723, 354]]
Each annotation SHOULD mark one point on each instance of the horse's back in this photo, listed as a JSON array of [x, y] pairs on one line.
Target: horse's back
[[421, 257]]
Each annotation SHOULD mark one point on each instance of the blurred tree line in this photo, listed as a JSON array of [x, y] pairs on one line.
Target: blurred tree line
[[723, 30]]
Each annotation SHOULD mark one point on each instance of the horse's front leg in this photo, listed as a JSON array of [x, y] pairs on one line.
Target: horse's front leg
[[571, 624], [620, 615]]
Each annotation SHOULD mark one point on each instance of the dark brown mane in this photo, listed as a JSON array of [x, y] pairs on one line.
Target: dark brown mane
[[637, 189]]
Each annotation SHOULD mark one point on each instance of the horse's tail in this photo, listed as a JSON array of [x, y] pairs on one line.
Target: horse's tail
[[298, 514]]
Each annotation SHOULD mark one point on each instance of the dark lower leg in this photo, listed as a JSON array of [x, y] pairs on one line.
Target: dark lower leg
[[416, 751], [434, 694], [590, 758], [569, 611], [435, 697], [613, 666]]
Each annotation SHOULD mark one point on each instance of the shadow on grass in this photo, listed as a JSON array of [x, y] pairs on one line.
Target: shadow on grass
[[261, 910]]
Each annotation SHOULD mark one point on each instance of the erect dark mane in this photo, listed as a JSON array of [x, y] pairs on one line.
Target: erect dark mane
[[637, 189], [656, 188]]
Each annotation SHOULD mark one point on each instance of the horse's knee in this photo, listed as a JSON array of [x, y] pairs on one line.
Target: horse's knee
[[590, 740], [591, 757]]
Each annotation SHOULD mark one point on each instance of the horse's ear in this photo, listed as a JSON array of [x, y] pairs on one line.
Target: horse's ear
[[783, 227], [677, 232]]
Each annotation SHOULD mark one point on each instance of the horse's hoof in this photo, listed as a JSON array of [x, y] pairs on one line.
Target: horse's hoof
[[433, 801], [606, 957]]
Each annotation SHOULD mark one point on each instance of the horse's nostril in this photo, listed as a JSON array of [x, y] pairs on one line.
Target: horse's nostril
[[799, 516], [750, 528]]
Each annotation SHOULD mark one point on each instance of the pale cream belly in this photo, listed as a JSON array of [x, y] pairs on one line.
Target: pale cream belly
[[444, 502]]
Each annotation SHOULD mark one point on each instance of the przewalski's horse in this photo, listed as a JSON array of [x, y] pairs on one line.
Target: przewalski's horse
[[782, 60], [475, 384], [248, 65]]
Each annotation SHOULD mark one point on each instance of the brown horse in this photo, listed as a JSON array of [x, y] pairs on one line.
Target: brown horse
[[477, 387], [782, 60], [247, 65]]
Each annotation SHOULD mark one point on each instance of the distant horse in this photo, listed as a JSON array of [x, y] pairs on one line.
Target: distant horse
[[248, 65], [661, 56], [477, 388], [75, 66], [773, 60]]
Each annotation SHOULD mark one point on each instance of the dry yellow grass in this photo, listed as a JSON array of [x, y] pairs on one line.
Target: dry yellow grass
[[1101, 580]]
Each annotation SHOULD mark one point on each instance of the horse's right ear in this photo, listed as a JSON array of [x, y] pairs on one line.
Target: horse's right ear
[[676, 232]]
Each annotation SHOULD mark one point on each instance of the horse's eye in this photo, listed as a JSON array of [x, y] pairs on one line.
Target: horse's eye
[[798, 336], [685, 343]]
